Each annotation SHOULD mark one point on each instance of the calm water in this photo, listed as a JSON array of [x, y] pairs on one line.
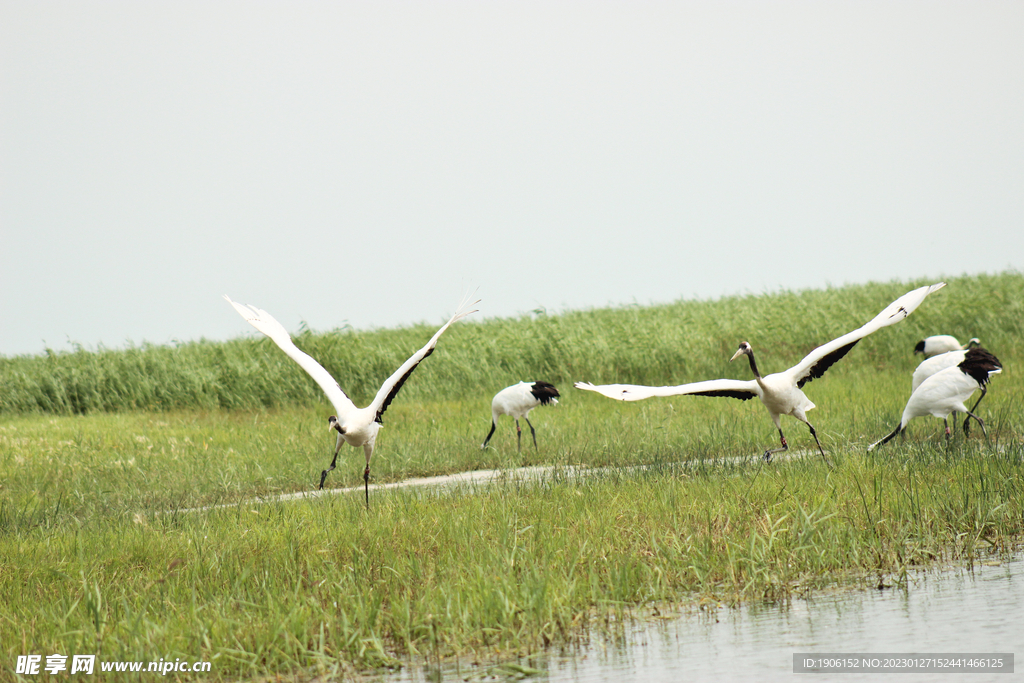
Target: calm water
[[951, 611]]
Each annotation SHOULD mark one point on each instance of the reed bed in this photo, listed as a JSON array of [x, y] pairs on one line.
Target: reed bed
[[94, 557], [669, 344]]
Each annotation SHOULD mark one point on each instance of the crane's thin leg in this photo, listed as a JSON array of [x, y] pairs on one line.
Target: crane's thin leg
[[532, 431], [489, 435], [946, 425], [820, 449], [980, 421], [967, 420], [785, 447], [334, 462], [519, 437], [368, 451]]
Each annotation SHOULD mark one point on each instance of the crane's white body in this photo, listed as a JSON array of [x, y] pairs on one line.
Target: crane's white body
[[935, 364], [781, 396], [355, 426], [780, 392], [941, 394], [944, 392], [942, 343], [517, 401]]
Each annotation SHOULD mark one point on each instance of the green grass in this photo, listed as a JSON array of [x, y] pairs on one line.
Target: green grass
[[93, 560], [670, 344]]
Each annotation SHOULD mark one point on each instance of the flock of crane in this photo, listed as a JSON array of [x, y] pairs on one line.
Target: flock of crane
[[948, 376]]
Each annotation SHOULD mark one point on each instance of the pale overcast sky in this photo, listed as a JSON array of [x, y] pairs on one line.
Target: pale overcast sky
[[368, 163]]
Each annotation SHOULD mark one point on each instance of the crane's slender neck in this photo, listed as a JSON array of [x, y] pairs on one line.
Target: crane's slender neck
[[753, 366]]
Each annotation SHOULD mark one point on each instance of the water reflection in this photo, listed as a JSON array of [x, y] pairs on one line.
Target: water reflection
[[941, 611]]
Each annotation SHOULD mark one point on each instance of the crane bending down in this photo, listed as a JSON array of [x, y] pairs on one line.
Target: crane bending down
[[779, 392], [518, 400], [935, 365], [945, 392], [943, 343], [355, 426]]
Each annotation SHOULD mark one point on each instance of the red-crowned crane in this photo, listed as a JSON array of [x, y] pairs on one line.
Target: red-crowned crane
[[518, 400], [936, 364], [779, 392], [355, 426], [946, 390], [943, 343]]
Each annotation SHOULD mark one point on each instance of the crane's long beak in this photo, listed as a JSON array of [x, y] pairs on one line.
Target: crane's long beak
[[739, 352]]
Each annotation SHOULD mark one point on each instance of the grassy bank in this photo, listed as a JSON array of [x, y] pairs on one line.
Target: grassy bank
[[327, 586], [92, 561]]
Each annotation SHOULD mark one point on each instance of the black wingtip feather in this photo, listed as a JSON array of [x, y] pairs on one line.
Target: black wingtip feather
[[728, 393], [819, 368], [544, 392], [979, 364], [395, 389]]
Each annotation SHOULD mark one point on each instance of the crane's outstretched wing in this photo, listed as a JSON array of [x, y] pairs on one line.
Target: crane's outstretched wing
[[265, 323], [822, 358], [732, 388], [394, 383]]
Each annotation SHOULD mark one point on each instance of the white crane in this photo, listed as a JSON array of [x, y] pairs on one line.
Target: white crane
[[945, 392], [779, 392], [518, 400], [943, 343], [936, 364], [355, 426]]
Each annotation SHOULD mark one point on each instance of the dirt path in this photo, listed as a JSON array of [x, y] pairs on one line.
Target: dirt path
[[478, 478]]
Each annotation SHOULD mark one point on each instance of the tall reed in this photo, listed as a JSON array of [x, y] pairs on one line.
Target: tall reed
[[667, 344]]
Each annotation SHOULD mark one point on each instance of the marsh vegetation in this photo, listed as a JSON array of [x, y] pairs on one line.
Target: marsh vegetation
[[99, 449]]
